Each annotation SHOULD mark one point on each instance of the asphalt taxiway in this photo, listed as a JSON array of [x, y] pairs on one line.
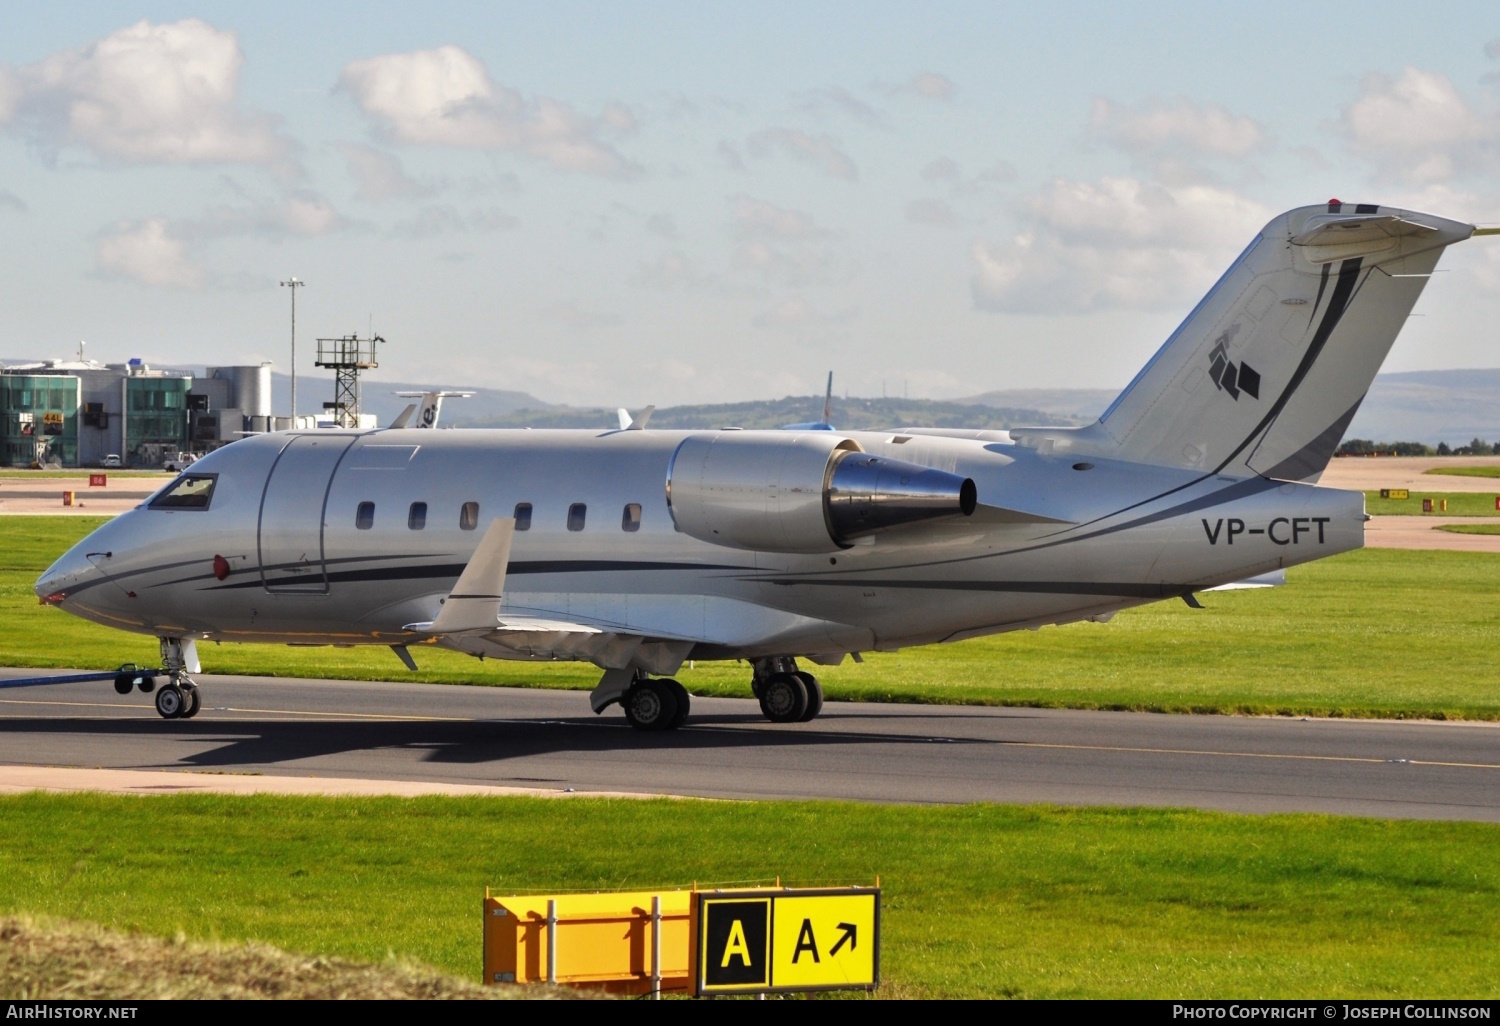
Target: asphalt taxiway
[[549, 742]]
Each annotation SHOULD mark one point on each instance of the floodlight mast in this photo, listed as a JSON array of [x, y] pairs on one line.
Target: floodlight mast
[[294, 284]]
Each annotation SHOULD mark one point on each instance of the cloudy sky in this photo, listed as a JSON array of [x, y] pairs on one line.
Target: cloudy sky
[[675, 202]]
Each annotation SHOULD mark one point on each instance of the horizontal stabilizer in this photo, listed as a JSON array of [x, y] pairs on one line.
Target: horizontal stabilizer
[[1274, 579]]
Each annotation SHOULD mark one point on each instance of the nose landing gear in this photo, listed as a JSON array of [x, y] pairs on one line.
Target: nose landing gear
[[178, 698]]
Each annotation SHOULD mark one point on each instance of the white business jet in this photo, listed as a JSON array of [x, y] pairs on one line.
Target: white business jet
[[638, 550]]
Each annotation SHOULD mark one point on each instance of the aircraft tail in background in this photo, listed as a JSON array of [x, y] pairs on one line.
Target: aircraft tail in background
[[1266, 373]]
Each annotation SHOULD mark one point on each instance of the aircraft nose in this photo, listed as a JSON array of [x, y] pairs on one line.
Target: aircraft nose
[[71, 568]]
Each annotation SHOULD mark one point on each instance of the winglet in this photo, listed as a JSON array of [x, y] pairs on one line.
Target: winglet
[[642, 421], [404, 416], [474, 603]]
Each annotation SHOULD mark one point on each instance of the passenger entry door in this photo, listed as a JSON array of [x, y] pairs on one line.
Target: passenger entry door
[[291, 514]]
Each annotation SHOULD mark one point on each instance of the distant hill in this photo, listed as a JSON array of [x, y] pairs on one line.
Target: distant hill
[[1450, 406], [1431, 406], [848, 414], [313, 390], [1083, 403]]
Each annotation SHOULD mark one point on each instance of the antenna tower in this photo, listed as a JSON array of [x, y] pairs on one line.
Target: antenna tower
[[347, 356]]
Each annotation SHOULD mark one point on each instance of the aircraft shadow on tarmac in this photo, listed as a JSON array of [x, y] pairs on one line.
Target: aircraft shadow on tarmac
[[241, 742]]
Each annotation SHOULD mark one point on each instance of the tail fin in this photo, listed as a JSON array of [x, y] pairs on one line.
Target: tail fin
[[1268, 370]]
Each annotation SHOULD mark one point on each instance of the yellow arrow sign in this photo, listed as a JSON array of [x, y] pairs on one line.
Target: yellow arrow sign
[[824, 941], [773, 940]]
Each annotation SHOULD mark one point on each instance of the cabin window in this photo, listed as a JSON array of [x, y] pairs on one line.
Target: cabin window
[[631, 519], [523, 516], [364, 517], [576, 514], [416, 517], [468, 516], [190, 491]]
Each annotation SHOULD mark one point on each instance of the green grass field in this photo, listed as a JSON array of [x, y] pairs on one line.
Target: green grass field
[[1470, 528], [1493, 471], [978, 900], [1460, 504], [1369, 633]]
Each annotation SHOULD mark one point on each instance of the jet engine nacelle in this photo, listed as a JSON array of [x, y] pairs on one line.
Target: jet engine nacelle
[[801, 491]]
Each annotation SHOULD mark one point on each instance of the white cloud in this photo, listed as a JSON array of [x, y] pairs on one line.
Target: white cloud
[[9, 200], [932, 86], [445, 97], [758, 219], [1418, 127], [10, 95], [730, 156], [302, 214], [379, 176], [430, 221], [1117, 243], [931, 211], [820, 152], [943, 169], [147, 252], [796, 313], [662, 225], [780, 244], [1179, 126], [843, 101], [673, 270], [148, 94]]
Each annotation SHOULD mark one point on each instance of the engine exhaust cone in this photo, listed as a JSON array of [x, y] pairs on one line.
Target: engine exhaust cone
[[868, 494]]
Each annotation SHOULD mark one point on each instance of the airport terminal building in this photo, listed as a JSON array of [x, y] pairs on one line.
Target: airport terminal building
[[75, 412]]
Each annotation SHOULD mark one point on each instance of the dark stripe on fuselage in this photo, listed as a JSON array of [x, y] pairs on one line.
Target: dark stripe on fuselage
[[1121, 589], [453, 570]]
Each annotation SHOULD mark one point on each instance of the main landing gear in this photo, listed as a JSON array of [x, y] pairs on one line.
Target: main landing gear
[[178, 698], [787, 694], [655, 703]]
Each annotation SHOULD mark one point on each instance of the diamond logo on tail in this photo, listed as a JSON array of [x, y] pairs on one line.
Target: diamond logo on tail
[[1229, 377]]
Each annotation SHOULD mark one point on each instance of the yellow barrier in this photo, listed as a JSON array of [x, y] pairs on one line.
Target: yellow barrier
[[754, 940], [628, 943]]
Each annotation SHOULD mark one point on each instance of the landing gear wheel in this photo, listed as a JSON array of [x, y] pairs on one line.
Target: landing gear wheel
[[684, 701], [650, 705], [190, 694], [783, 698], [170, 701], [814, 695], [146, 684], [124, 683]]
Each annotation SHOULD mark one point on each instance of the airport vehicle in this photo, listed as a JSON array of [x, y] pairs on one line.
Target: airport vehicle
[[179, 461], [638, 550], [111, 461]]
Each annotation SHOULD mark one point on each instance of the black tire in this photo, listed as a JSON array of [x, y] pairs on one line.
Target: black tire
[[124, 683], [783, 698], [814, 695], [684, 701], [170, 701], [194, 701], [650, 705], [146, 684]]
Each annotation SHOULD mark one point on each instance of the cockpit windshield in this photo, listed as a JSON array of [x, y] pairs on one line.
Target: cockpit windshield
[[190, 491]]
